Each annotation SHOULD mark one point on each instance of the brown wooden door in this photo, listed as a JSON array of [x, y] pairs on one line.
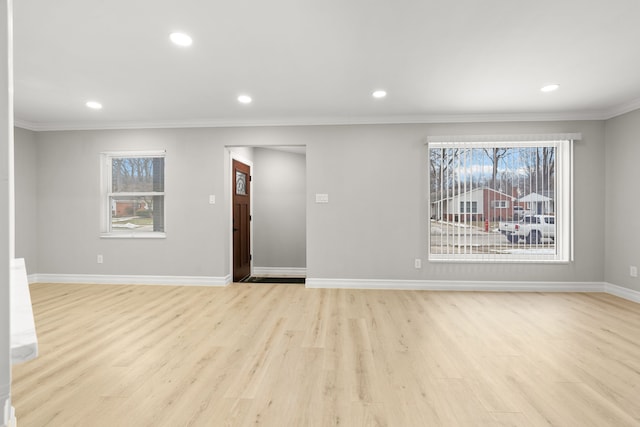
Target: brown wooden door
[[241, 177]]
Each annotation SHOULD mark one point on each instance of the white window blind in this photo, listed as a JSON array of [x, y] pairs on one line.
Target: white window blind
[[500, 199]]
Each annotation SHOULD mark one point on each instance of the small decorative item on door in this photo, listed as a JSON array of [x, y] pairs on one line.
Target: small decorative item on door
[[241, 183]]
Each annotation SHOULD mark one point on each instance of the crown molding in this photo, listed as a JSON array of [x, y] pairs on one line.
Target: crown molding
[[333, 121], [24, 124], [622, 109]]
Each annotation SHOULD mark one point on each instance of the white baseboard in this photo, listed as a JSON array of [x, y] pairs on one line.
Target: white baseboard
[[279, 271], [435, 285], [622, 292], [425, 285], [7, 412], [13, 422], [109, 279]]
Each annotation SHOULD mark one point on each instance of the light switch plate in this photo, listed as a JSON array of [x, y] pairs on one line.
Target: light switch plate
[[322, 198], [212, 199]]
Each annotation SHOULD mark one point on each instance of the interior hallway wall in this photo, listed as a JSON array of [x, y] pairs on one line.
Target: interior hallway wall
[[279, 209], [26, 175], [622, 203]]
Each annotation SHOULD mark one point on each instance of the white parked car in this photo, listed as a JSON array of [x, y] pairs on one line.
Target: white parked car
[[531, 228]]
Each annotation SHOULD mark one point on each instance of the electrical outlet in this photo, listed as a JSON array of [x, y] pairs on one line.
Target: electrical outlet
[[100, 259], [633, 271], [417, 263]]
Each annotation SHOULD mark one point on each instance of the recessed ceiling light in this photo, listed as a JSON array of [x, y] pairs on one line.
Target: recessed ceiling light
[[379, 94], [181, 39], [94, 105], [244, 99], [550, 88]]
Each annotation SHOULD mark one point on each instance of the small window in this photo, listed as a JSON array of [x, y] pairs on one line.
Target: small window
[[133, 194], [468, 207], [241, 183], [500, 204]]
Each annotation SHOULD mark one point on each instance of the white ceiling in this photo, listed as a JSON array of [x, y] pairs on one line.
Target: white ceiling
[[318, 61]]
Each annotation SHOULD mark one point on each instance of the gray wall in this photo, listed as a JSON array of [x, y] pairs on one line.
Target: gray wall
[[376, 221], [279, 209], [373, 227], [69, 205], [622, 222], [26, 200]]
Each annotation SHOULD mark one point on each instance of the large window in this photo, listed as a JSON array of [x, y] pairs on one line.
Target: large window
[[133, 194], [499, 200]]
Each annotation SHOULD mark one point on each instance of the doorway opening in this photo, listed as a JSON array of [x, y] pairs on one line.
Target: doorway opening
[[274, 245]]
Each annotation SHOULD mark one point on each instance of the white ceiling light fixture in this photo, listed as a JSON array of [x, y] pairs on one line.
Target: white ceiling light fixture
[[181, 39], [378, 94], [245, 99], [94, 105], [550, 87]]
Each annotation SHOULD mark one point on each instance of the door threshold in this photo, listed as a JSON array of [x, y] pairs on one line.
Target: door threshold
[[280, 280]]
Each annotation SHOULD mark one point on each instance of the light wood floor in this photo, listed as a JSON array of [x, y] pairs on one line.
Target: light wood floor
[[283, 355]]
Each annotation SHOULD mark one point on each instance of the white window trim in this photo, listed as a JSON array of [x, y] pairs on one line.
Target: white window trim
[[493, 139], [105, 217], [565, 201]]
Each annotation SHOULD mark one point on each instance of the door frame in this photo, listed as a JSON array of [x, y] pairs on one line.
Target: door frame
[[234, 156]]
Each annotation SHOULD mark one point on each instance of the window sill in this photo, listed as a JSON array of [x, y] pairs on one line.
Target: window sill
[[486, 260], [125, 235]]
